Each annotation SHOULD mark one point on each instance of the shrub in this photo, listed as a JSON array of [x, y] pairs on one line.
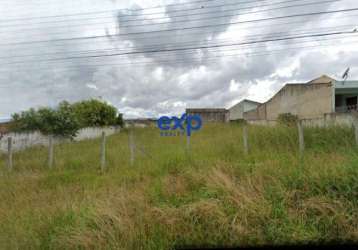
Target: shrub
[[287, 119], [239, 121]]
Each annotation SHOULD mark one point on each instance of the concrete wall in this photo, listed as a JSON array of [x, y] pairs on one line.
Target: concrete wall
[[237, 112], [210, 115], [308, 101], [25, 140], [331, 119]]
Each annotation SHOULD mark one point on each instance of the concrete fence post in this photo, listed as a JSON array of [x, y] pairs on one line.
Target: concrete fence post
[[103, 151], [245, 139], [355, 125], [301, 138], [131, 146], [50, 151], [9, 153], [188, 144]]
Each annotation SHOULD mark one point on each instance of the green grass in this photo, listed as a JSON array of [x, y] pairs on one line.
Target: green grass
[[213, 196]]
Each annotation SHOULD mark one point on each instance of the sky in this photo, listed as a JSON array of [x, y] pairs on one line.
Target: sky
[[52, 51]]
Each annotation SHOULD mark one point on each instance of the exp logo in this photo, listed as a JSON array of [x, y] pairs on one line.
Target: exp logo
[[185, 124]]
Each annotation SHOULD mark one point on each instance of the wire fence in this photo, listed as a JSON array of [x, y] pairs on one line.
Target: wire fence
[[137, 149]]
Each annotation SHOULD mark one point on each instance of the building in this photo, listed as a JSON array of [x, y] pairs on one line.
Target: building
[[312, 100], [140, 122], [237, 111], [210, 114]]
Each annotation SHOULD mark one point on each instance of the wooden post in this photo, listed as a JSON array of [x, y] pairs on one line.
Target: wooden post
[[131, 146], [9, 153], [245, 139], [103, 151], [50, 151], [301, 139]]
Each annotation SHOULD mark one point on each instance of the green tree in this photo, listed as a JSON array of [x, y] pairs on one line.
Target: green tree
[[61, 122], [94, 113], [67, 119]]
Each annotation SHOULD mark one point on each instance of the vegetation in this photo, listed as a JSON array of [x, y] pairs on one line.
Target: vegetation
[[287, 119], [67, 119], [214, 196]]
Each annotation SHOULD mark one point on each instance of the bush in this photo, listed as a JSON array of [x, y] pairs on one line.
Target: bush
[[239, 121], [287, 119]]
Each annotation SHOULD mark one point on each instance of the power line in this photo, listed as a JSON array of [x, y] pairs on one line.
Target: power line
[[172, 62], [208, 18], [204, 31], [186, 10], [126, 9], [192, 48], [190, 42], [185, 28]]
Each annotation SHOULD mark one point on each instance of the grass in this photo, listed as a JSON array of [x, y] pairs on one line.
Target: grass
[[214, 196]]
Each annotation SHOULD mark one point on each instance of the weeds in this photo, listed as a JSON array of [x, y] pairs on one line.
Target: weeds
[[215, 196]]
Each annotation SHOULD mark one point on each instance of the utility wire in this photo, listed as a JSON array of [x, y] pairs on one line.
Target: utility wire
[[164, 63], [188, 14], [190, 48], [185, 28], [127, 9], [186, 33], [176, 44], [203, 18]]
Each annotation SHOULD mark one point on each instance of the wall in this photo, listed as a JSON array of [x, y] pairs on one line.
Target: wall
[[308, 101], [237, 112], [25, 140], [331, 119], [257, 114], [210, 115]]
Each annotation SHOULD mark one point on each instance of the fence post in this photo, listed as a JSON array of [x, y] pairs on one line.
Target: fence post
[[245, 139], [50, 151], [131, 146], [355, 121], [301, 138], [188, 144], [103, 151], [9, 153]]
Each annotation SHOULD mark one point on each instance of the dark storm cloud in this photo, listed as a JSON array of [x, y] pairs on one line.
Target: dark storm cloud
[[150, 84]]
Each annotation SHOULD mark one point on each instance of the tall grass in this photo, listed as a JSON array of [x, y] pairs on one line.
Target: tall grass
[[213, 196]]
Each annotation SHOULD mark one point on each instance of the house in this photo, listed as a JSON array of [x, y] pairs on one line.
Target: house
[[210, 114], [237, 111], [312, 100]]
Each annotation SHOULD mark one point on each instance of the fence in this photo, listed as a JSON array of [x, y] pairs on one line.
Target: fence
[[22, 141], [19, 141], [329, 119], [347, 121], [9, 144]]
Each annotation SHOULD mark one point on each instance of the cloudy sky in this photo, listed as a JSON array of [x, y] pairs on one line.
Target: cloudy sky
[[150, 58]]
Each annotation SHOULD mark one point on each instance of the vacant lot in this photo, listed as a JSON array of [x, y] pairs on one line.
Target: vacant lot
[[213, 196]]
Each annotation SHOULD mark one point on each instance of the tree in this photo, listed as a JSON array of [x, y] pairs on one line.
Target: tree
[[61, 122], [94, 113], [67, 119]]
